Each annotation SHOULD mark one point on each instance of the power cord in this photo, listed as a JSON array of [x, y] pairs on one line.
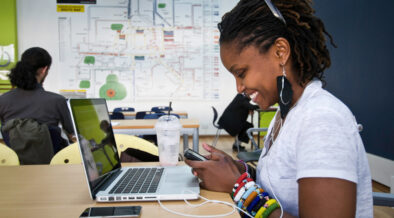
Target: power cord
[[268, 175], [201, 204]]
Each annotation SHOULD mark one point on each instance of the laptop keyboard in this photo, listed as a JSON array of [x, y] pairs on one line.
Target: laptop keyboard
[[138, 180]]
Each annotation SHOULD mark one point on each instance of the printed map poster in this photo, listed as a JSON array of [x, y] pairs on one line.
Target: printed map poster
[[132, 50]]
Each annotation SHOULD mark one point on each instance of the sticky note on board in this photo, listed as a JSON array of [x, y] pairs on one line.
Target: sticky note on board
[[70, 8]]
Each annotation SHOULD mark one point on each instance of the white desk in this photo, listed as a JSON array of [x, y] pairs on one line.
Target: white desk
[[147, 127]]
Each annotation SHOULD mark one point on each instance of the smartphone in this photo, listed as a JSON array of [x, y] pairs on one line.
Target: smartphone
[[121, 211], [192, 155]]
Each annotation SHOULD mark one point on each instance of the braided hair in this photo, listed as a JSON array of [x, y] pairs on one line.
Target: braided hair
[[251, 22], [23, 75]]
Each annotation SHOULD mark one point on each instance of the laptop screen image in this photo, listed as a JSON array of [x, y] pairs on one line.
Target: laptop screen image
[[96, 138]]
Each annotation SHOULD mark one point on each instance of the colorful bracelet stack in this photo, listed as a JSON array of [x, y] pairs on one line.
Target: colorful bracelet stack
[[245, 165], [251, 198]]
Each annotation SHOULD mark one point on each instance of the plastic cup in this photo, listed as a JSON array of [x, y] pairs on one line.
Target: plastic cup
[[168, 135]]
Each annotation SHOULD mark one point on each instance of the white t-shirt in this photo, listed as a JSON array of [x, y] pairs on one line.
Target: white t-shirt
[[319, 138]]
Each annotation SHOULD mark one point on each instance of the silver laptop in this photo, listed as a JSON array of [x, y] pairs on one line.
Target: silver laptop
[[107, 180]]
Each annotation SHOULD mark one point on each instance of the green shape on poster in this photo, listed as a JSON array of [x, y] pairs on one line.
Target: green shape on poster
[[84, 84], [112, 89], [116, 26], [161, 5], [89, 60]]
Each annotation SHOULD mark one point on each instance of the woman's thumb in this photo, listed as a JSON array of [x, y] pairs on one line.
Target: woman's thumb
[[208, 148]]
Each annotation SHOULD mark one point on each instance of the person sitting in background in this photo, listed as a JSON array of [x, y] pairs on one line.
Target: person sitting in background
[[29, 100], [314, 162], [234, 117]]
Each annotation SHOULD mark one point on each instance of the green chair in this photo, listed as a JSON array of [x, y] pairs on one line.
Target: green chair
[[265, 118]]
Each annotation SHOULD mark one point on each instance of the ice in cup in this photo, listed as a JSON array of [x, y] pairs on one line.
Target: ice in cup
[[168, 130]]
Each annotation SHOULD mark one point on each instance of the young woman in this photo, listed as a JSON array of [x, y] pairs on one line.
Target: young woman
[[314, 163]]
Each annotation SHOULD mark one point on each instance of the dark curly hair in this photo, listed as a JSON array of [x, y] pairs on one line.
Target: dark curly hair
[[23, 75], [251, 22]]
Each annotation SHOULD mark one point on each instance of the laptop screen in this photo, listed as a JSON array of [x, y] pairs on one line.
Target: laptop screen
[[96, 138]]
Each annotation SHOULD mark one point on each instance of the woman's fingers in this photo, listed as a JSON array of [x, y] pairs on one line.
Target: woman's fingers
[[207, 147], [196, 164]]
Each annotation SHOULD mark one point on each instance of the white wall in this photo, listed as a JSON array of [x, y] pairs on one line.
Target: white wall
[[382, 170], [37, 26]]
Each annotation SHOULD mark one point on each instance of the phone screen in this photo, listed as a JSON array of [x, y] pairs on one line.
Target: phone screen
[[124, 211]]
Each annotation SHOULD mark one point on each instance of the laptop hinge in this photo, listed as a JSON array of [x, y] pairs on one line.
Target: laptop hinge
[[106, 181]]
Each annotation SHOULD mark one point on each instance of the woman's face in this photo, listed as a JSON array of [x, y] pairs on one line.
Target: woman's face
[[255, 73]]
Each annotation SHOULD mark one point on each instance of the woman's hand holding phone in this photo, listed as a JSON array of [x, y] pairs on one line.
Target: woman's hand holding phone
[[218, 172]]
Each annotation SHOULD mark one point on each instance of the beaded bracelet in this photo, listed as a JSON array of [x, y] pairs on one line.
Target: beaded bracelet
[[251, 198], [260, 204], [250, 184], [245, 165], [246, 195], [270, 209], [262, 210], [255, 201], [264, 207], [239, 194], [242, 177], [269, 203], [242, 184], [239, 180]]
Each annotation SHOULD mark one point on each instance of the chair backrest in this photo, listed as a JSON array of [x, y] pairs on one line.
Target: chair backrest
[[215, 117], [120, 109], [265, 120], [153, 116], [158, 115], [8, 157], [234, 116], [68, 155], [141, 114], [116, 116], [129, 141], [159, 109]]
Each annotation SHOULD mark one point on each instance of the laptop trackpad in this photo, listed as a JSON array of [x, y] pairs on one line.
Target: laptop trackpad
[[180, 175], [177, 177]]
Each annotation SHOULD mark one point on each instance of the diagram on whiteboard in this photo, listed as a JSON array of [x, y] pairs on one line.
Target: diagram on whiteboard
[[142, 49]]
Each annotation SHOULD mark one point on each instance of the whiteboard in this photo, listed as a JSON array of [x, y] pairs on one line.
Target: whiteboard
[[138, 55]]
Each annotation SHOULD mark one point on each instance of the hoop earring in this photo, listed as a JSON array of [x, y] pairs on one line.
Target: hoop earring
[[283, 85], [285, 93]]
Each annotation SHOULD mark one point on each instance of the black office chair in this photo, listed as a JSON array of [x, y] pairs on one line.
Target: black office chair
[[215, 117], [116, 116], [233, 120], [253, 155], [265, 118], [159, 109], [153, 116], [121, 109]]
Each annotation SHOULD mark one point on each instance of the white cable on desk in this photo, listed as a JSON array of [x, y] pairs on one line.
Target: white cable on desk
[[205, 202]]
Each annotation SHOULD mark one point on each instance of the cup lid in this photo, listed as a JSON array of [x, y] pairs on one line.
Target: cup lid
[[169, 122]]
